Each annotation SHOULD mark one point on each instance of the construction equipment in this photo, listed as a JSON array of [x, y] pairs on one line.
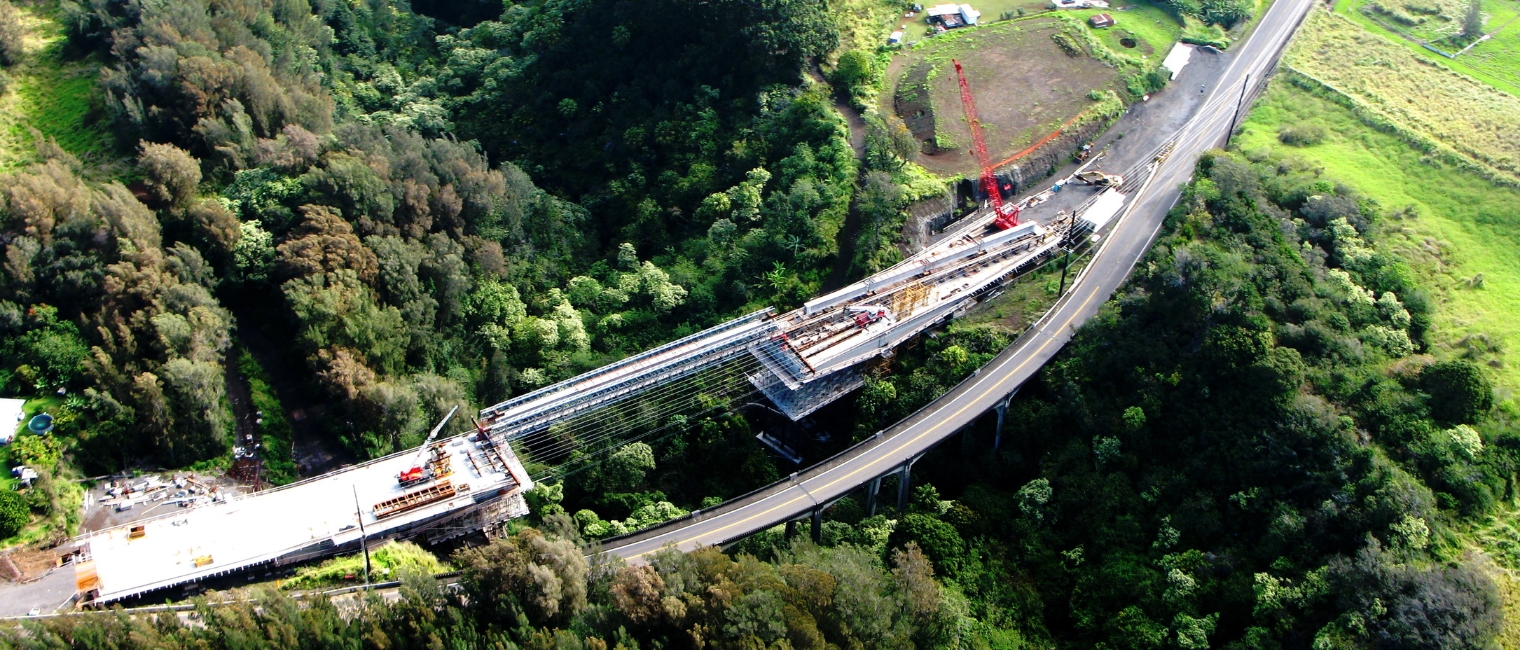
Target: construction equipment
[[865, 315], [1100, 179], [1007, 216], [436, 466], [415, 499]]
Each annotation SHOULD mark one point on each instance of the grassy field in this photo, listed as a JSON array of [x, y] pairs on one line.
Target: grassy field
[[1410, 93], [1153, 28], [1019, 62], [1495, 62], [1461, 235], [49, 92], [388, 561], [865, 24]]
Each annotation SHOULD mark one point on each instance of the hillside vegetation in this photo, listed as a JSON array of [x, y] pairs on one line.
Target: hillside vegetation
[[1434, 106], [1458, 229], [1495, 61]]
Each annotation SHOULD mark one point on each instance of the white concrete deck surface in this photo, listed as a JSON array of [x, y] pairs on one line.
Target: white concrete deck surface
[[267, 525]]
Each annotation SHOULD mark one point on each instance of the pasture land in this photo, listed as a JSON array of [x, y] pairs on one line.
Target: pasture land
[[1029, 77], [1458, 230], [1439, 23], [1452, 113]]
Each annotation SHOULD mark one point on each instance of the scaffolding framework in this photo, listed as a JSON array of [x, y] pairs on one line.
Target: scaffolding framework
[[802, 401]]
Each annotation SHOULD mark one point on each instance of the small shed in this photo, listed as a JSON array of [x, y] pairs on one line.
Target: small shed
[[1101, 21]]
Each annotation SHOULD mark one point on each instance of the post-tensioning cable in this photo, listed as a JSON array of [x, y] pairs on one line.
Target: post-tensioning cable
[[558, 442], [561, 472], [694, 383], [672, 400], [684, 388], [552, 449]]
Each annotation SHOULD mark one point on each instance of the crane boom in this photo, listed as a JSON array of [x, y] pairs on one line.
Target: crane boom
[[416, 471], [1006, 217]]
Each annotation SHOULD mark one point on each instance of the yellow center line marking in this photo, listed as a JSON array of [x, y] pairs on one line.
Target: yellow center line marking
[[1211, 109]]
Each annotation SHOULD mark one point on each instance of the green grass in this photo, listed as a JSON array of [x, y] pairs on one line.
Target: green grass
[[274, 434], [387, 562], [1027, 298], [1464, 227], [1495, 62], [34, 405], [1155, 26], [59, 102], [1150, 22], [865, 24], [57, 96], [1430, 104]]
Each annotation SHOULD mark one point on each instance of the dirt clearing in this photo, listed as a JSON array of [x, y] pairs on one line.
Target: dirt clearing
[[1025, 82]]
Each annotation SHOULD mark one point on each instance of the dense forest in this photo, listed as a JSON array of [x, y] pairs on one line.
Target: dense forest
[[343, 168], [1253, 445], [1245, 450]]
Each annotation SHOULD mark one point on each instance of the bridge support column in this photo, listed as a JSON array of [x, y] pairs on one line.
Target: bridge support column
[[1002, 412], [791, 528], [872, 488], [902, 484], [817, 530]]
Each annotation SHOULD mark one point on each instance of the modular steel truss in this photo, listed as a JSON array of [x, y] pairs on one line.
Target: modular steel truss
[[539, 409]]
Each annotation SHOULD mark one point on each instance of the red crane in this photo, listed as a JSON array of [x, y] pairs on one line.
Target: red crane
[[1007, 216]]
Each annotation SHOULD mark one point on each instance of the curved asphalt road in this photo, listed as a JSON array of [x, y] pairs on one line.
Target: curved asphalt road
[[1111, 265]]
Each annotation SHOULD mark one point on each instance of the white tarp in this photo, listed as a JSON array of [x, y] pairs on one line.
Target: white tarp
[[10, 418], [1101, 211], [1177, 58]]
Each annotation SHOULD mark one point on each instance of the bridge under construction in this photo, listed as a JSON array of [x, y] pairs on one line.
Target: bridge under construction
[[801, 360]]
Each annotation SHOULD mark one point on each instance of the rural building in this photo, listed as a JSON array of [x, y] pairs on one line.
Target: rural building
[[952, 16], [1101, 21], [1079, 4]]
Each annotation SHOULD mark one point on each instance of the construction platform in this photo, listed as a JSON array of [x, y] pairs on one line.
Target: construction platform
[[307, 520]]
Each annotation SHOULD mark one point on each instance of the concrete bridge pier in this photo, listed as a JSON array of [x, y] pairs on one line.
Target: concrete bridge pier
[[903, 482], [1002, 413], [872, 488]]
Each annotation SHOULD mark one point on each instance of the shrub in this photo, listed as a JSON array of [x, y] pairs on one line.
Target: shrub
[[14, 514], [1067, 44], [1472, 21], [11, 34], [855, 69], [1302, 135], [1459, 393], [939, 540]]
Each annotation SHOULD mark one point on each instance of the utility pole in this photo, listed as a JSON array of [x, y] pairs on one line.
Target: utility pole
[[363, 542], [1065, 262], [1240, 105]]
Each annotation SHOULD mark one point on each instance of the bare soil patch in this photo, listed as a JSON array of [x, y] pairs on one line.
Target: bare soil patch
[[1024, 83]]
